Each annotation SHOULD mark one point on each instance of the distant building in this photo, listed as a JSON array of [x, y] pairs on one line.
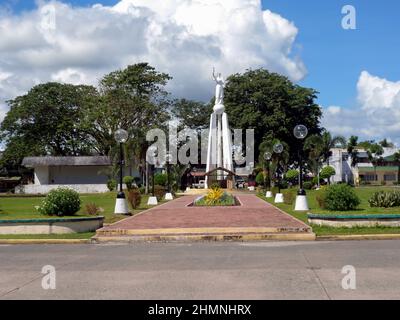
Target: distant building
[[83, 174], [364, 172]]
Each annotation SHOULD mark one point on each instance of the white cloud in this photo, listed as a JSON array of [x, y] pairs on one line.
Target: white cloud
[[184, 38], [377, 115], [375, 93]]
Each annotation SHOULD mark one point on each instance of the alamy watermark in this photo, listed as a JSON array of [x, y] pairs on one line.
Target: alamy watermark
[[49, 278], [190, 146], [349, 21], [349, 280]]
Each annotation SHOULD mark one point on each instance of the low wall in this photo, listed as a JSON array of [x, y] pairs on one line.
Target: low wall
[[350, 221], [81, 188], [51, 226]]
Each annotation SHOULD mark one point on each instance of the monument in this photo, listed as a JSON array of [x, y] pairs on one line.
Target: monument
[[219, 153]]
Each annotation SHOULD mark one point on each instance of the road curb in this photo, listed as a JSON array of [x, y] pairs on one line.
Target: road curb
[[359, 237], [45, 241], [208, 237]]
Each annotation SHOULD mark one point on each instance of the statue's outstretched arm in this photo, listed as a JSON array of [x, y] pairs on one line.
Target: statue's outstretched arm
[[213, 75]]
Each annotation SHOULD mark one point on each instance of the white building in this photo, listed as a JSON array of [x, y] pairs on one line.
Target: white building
[[364, 171], [83, 174]]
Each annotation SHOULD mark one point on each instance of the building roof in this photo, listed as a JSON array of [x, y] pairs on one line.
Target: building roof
[[66, 161], [219, 169], [379, 168]]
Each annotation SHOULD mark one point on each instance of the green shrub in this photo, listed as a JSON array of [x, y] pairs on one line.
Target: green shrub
[[341, 197], [111, 184], [292, 175], [327, 172], [142, 190], [129, 182], [61, 202], [160, 179], [315, 181], [284, 184], [215, 186], [260, 178], [289, 196], [134, 198], [320, 198], [385, 199], [159, 192], [308, 185]]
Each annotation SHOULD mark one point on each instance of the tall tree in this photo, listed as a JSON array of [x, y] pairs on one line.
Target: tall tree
[[192, 114], [47, 121], [352, 151], [271, 105]]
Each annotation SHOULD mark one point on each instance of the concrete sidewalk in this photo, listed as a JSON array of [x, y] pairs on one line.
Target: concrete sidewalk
[[255, 219]]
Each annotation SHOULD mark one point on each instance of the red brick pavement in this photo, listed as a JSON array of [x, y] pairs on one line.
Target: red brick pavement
[[254, 212]]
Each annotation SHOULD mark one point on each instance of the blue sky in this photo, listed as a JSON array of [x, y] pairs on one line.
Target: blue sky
[[356, 71], [334, 57]]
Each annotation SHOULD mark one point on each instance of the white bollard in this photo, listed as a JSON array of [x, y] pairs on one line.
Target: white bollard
[[169, 196], [279, 198], [121, 206], [301, 203], [268, 194], [152, 201]]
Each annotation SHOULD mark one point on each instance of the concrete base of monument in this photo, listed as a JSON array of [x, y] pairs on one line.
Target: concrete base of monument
[[152, 201], [169, 196], [279, 198], [121, 206], [268, 194], [301, 203]]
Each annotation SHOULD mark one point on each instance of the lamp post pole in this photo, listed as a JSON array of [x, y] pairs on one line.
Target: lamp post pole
[[121, 163], [121, 206], [301, 132]]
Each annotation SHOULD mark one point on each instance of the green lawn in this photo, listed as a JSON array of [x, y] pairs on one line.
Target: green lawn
[[86, 235], [23, 207], [363, 192]]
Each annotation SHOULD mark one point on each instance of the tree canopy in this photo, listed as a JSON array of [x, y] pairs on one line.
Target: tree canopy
[[271, 105]]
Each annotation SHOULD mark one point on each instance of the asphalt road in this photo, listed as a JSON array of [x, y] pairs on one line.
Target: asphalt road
[[267, 270]]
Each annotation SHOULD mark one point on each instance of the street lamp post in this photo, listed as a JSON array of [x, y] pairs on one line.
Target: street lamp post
[[152, 201], [121, 206], [301, 132], [278, 149], [168, 195], [268, 157]]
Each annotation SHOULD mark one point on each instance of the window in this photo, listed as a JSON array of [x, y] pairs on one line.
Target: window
[[369, 177], [389, 177]]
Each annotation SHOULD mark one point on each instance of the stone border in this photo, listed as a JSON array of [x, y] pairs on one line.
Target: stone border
[[51, 226], [349, 221]]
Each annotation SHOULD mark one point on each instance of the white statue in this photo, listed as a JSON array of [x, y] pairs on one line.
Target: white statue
[[219, 90]]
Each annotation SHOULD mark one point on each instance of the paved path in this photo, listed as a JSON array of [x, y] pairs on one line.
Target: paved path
[[253, 213], [221, 270]]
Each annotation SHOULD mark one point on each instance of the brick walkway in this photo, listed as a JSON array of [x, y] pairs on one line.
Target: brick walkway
[[254, 213]]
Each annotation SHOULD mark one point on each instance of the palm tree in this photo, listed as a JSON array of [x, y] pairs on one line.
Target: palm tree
[[276, 159], [322, 146], [313, 145], [353, 152], [328, 143]]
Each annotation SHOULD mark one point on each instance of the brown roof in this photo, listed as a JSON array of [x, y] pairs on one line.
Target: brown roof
[[220, 168], [66, 161]]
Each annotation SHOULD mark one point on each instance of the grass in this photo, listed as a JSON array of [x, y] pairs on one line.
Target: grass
[[364, 194], [14, 207], [86, 235]]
